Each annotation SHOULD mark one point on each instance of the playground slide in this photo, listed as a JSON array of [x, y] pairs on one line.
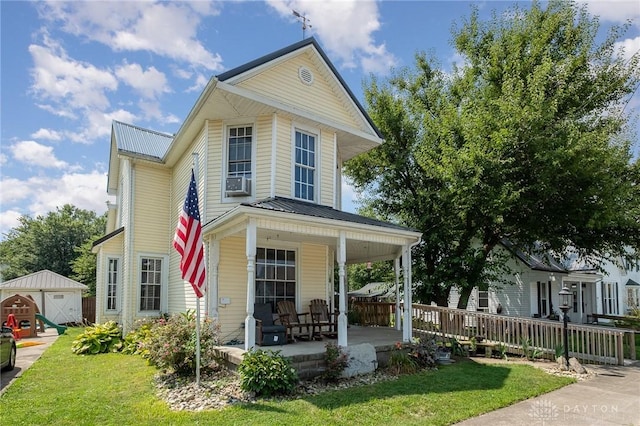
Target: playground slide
[[61, 328]]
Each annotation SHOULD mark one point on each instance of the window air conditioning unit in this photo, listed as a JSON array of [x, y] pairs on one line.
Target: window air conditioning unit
[[237, 186]]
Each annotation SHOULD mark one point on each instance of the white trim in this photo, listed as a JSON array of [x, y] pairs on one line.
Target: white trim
[[246, 122], [337, 188], [274, 153], [203, 199], [118, 283], [164, 285], [317, 176]]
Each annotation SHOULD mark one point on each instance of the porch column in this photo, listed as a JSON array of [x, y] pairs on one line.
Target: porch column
[[214, 259], [406, 271], [342, 317], [396, 268], [249, 321], [580, 305]]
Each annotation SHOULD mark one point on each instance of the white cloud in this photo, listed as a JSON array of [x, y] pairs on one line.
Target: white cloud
[[165, 28], [60, 79], [98, 125], [48, 134], [629, 46], [8, 220], [617, 11], [150, 83], [200, 83], [34, 154], [349, 197], [3, 158], [83, 190], [346, 29]]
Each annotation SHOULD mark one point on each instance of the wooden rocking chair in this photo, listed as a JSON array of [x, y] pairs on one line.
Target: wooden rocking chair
[[324, 323], [298, 326]]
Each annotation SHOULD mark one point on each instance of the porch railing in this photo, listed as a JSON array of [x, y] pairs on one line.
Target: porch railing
[[592, 344]]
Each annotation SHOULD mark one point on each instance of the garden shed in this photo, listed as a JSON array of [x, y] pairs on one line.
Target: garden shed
[[59, 299]]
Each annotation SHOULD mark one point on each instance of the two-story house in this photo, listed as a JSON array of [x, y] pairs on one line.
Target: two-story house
[[266, 141]]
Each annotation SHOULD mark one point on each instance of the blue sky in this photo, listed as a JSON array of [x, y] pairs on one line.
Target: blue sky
[[69, 68]]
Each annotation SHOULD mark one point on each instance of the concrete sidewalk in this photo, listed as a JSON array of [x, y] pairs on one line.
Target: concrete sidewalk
[[612, 397], [26, 356]]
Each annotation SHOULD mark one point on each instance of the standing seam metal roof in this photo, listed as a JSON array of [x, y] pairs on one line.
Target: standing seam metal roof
[[43, 280], [140, 141], [288, 205]]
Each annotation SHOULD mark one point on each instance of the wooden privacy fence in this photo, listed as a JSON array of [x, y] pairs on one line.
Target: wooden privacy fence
[[89, 309], [593, 344]]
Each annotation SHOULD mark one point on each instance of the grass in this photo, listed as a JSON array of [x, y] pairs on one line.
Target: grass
[[115, 389]]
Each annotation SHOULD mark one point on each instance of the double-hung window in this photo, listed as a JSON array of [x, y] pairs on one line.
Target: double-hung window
[[240, 140], [610, 298], [275, 275], [150, 284], [112, 284], [305, 166], [483, 301]]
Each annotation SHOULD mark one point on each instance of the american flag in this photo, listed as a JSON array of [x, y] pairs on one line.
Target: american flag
[[188, 241]]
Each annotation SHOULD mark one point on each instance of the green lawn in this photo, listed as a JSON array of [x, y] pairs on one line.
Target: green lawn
[[114, 389]]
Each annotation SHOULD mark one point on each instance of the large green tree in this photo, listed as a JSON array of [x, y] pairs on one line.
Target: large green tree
[[53, 241], [528, 141]]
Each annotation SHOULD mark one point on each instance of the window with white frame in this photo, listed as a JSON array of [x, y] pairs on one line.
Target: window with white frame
[[305, 166], [112, 284], [483, 301], [633, 298], [275, 275], [239, 151], [150, 284], [609, 298], [543, 298]]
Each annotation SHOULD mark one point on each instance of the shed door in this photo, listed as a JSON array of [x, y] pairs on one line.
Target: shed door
[[60, 307]]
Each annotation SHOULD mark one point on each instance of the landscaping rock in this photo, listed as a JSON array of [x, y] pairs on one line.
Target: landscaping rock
[[562, 363], [575, 365], [362, 360]]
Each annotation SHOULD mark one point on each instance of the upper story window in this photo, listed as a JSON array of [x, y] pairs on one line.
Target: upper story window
[[240, 143], [305, 166]]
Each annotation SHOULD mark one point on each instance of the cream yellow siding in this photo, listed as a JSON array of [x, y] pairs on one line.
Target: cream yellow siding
[[281, 82], [312, 262], [262, 143], [283, 158], [153, 229], [181, 295], [232, 279], [214, 206]]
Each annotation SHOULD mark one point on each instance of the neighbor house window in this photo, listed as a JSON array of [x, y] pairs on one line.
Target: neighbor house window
[[544, 289], [240, 140], [610, 298], [483, 301], [305, 166], [150, 283], [633, 298], [112, 285], [275, 275]]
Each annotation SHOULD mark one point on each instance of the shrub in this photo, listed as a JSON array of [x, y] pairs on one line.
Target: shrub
[[137, 340], [336, 359], [99, 338], [172, 343], [400, 362], [267, 373], [423, 352]]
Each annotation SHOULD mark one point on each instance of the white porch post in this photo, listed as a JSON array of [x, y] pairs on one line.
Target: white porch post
[[342, 317], [406, 270], [396, 268], [214, 259], [250, 322], [580, 305]]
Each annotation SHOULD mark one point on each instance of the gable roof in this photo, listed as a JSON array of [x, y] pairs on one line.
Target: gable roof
[[140, 142], [537, 261], [287, 205], [43, 280], [311, 41], [632, 282]]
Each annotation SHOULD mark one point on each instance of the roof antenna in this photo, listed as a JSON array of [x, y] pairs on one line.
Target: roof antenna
[[304, 20]]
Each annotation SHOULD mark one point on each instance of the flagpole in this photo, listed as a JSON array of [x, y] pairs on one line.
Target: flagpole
[[195, 172]]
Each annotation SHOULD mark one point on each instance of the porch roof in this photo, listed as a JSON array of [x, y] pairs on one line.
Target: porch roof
[[287, 205], [284, 219], [632, 282]]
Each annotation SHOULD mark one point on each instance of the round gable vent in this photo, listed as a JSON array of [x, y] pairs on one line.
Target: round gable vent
[[305, 74]]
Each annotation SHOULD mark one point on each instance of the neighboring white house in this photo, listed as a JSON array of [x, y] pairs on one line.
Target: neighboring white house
[[537, 279], [267, 141], [59, 298]]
